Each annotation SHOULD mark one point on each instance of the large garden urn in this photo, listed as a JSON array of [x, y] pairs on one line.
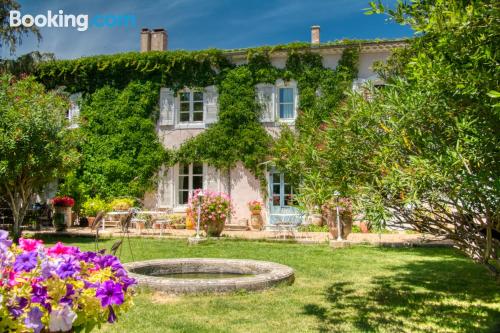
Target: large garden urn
[[329, 212], [214, 228], [256, 221], [62, 212]]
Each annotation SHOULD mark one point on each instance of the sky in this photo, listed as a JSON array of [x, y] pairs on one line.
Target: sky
[[201, 24]]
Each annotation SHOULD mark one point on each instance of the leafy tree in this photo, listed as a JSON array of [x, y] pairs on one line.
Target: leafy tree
[[121, 150], [423, 152], [12, 36], [36, 146], [25, 64]]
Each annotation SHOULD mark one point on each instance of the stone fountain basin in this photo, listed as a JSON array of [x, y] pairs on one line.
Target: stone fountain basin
[[256, 275]]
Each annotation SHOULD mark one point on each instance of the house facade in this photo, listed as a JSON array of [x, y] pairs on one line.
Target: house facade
[[191, 111]]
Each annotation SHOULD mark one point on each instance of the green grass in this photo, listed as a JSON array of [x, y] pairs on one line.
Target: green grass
[[356, 289]]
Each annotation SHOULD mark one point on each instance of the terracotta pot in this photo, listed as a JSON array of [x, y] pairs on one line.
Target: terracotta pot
[[363, 226], [256, 221], [140, 225], [256, 211], [213, 228], [330, 216], [91, 220], [316, 219]]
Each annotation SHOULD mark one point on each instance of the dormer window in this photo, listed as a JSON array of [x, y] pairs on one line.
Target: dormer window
[[191, 106]]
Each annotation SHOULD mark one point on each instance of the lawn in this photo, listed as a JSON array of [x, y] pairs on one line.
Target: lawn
[[357, 289]]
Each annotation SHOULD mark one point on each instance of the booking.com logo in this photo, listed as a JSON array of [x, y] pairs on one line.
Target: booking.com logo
[[81, 22]]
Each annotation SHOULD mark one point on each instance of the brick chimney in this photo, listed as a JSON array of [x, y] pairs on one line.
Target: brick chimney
[[315, 35], [145, 40], [159, 40]]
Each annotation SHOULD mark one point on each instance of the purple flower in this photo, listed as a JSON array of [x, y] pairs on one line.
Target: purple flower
[[39, 294], [5, 243], [110, 293], [112, 315], [127, 282], [70, 291], [108, 261], [25, 262], [68, 268], [48, 268], [34, 320], [88, 256], [17, 310]]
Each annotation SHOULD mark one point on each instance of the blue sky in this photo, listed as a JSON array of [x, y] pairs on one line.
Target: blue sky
[[200, 24]]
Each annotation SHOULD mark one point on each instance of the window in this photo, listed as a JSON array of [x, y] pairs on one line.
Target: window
[[191, 106], [190, 179], [286, 103], [282, 191]]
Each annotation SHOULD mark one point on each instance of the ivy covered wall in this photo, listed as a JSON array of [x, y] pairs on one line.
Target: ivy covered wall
[[121, 151]]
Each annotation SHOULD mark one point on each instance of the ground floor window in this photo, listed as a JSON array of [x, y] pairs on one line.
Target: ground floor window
[[282, 191], [190, 179]]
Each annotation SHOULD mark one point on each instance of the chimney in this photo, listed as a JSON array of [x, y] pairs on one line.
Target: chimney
[[145, 40], [159, 40], [315, 35]]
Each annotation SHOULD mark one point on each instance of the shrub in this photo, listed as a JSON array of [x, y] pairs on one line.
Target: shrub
[[122, 204], [59, 288], [313, 228], [93, 206]]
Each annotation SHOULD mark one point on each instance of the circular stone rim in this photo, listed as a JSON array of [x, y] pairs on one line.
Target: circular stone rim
[[266, 275]]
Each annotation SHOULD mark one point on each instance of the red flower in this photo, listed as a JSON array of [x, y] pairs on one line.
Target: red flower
[[63, 201]]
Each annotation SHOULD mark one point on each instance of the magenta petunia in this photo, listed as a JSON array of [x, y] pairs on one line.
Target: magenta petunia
[[110, 293], [30, 244]]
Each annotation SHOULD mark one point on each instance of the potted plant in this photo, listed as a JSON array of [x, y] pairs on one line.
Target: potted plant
[[190, 223], [364, 227], [215, 208], [92, 206], [60, 288], [315, 217], [62, 212], [256, 221]]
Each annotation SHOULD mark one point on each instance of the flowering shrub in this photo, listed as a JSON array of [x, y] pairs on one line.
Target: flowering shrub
[[58, 289], [215, 208], [63, 201], [255, 205]]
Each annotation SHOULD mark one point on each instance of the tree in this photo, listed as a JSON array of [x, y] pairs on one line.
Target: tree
[[36, 146], [12, 36], [424, 151], [25, 64]]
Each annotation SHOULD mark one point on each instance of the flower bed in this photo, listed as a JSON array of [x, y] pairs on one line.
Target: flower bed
[[60, 288]]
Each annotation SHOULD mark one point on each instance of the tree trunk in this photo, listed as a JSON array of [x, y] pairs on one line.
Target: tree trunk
[[18, 201]]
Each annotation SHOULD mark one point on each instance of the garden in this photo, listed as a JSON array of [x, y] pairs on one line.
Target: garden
[[418, 155]]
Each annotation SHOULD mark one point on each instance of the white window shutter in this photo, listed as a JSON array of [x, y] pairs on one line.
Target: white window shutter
[[266, 97], [210, 98], [166, 188], [167, 107], [211, 178]]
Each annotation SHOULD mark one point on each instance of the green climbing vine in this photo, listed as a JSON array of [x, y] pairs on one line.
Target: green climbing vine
[[238, 135]]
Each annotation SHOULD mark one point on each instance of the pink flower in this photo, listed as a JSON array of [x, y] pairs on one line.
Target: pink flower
[[60, 249], [30, 244]]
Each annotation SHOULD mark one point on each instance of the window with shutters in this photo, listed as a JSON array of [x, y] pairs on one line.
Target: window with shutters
[[190, 179], [191, 107], [286, 103]]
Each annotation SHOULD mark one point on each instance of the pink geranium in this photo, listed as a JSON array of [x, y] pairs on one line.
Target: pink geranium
[[30, 244]]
